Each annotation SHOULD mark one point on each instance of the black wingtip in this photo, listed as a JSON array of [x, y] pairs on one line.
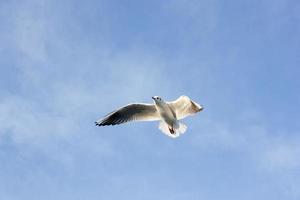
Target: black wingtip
[[97, 124]]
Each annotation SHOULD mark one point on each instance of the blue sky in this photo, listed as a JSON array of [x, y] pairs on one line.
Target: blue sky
[[66, 63]]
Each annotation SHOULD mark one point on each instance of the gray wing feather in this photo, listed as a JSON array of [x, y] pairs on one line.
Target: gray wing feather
[[131, 112], [184, 106]]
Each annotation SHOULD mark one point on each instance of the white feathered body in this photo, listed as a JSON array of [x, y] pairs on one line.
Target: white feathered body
[[166, 113], [169, 120]]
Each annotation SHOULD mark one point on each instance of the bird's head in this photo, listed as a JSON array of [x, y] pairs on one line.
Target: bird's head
[[157, 99]]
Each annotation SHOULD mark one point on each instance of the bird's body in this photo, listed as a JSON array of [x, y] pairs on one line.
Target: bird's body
[[169, 113], [166, 113]]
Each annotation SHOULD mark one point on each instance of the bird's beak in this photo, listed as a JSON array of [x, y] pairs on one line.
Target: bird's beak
[[153, 98]]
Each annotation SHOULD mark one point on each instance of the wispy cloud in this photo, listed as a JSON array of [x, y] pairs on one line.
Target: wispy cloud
[[55, 100], [273, 154], [69, 70], [271, 150]]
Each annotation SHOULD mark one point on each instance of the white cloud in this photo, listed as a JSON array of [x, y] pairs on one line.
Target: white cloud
[[62, 93], [271, 151], [62, 89], [274, 155], [282, 155]]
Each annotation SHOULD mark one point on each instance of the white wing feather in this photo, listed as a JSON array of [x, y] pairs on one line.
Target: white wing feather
[[184, 106]]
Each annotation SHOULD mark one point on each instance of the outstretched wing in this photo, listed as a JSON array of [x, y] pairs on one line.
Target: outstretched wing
[[131, 112], [184, 106]]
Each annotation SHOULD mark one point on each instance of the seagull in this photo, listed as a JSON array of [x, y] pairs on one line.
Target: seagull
[[168, 113]]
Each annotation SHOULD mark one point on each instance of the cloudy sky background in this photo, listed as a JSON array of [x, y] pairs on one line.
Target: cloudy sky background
[[66, 63]]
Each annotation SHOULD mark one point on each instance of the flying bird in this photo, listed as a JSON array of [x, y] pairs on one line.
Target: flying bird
[[168, 113]]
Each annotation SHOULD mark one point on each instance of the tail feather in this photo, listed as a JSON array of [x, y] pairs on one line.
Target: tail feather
[[172, 132]]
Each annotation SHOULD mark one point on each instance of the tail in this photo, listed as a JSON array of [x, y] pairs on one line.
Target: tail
[[172, 132]]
